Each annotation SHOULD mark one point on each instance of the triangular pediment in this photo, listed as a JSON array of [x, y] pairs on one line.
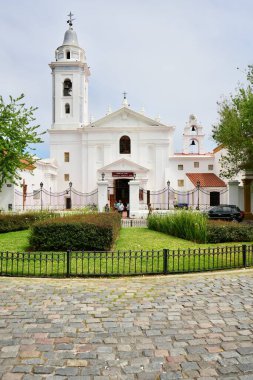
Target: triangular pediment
[[127, 117], [123, 165]]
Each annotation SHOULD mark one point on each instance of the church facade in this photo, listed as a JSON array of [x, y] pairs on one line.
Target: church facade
[[122, 146]]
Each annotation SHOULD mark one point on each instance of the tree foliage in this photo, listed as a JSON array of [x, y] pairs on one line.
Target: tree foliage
[[16, 135], [235, 129]]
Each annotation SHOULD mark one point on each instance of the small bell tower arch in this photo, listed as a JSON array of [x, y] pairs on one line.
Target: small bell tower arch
[[193, 137]]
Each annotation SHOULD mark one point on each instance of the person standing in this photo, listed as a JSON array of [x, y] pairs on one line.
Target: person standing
[[121, 208], [149, 209]]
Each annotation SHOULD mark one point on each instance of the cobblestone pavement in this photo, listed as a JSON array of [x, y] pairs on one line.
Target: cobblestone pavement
[[187, 327]]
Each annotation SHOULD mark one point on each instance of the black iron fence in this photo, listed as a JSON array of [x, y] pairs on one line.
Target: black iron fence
[[125, 223], [124, 263], [169, 198]]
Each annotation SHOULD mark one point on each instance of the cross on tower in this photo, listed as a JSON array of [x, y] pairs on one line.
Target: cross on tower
[[70, 19]]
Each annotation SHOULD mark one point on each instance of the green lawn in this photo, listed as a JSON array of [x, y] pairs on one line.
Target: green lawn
[[143, 238], [14, 241], [140, 251]]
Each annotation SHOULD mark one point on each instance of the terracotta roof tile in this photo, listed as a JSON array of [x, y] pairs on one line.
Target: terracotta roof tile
[[27, 164], [206, 179]]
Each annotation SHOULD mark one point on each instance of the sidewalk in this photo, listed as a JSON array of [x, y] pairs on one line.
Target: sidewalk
[[175, 327]]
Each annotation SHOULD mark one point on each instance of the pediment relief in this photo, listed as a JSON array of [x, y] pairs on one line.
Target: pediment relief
[[126, 117], [123, 165]]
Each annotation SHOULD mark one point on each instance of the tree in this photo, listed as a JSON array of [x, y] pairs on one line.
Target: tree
[[16, 135], [235, 129]]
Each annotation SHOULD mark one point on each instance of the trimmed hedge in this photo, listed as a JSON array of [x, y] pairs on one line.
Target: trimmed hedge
[[18, 222], [222, 232], [96, 232]]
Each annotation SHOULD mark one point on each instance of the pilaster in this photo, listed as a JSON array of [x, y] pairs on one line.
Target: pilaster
[[134, 187], [102, 195]]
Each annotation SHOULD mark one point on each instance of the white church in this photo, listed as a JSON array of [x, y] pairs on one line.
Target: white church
[[122, 148]]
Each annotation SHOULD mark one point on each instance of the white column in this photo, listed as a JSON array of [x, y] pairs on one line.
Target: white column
[[134, 187], [233, 193], [102, 195]]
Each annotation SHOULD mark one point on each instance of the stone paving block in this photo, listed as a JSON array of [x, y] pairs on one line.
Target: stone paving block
[[246, 359], [245, 350], [34, 377], [43, 369], [22, 369], [208, 372], [228, 370], [29, 354], [171, 376], [77, 363], [148, 376], [248, 367], [189, 366], [12, 376], [67, 371]]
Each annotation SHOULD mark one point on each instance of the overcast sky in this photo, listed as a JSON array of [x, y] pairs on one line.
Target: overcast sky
[[173, 57]]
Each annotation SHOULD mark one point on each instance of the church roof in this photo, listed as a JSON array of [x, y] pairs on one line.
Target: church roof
[[206, 179], [131, 113]]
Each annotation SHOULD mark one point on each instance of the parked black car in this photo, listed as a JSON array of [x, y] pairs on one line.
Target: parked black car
[[226, 212]]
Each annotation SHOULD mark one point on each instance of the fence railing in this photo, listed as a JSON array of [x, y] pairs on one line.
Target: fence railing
[[133, 223], [124, 263]]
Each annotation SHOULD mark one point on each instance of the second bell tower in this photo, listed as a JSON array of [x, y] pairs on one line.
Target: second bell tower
[[70, 74]]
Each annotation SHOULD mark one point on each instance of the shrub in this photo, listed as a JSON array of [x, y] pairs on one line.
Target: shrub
[[79, 232], [18, 222], [222, 232], [189, 225]]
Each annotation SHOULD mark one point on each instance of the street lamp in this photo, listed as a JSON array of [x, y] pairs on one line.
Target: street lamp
[[168, 184], [70, 185], [134, 176], [41, 187], [198, 186]]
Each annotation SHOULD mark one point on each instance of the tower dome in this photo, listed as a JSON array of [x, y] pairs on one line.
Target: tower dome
[[70, 38]]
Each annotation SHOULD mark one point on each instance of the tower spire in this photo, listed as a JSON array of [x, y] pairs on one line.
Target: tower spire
[[70, 21]]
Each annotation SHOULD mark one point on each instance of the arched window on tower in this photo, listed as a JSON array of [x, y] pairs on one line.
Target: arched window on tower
[[194, 129], [67, 87], [125, 145], [67, 108], [194, 146], [68, 54]]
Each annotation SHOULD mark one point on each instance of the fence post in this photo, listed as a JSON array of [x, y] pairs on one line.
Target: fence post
[[68, 262], [165, 261], [244, 255]]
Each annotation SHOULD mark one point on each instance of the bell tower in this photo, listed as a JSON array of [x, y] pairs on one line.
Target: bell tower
[[193, 137], [70, 74]]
